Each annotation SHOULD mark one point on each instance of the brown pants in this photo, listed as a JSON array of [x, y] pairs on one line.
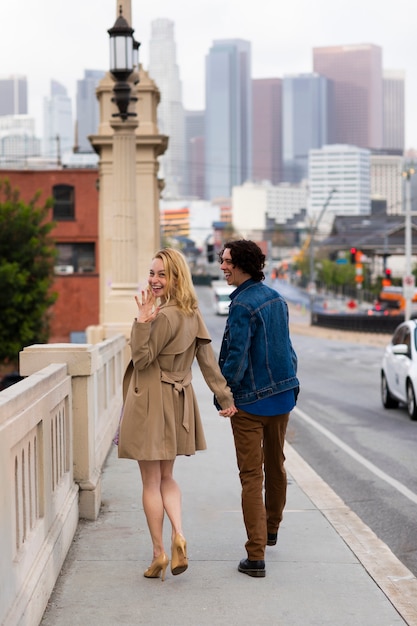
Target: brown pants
[[259, 442]]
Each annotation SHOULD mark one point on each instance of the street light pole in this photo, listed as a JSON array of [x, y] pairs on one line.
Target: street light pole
[[408, 283], [313, 230]]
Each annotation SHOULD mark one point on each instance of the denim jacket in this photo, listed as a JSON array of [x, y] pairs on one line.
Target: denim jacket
[[256, 356]]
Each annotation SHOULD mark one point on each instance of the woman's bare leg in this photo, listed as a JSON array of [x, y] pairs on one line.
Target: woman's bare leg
[[160, 493], [152, 502], [171, 497]]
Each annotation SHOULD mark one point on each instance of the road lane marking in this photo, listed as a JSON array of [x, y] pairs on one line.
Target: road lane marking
[[358, 457]]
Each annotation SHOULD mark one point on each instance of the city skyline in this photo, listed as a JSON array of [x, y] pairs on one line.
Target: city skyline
[[282, 40]]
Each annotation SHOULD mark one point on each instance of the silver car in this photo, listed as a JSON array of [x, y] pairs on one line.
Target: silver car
[[399, 369]]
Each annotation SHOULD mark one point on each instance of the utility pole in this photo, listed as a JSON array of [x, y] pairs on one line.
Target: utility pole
[[313, 230]]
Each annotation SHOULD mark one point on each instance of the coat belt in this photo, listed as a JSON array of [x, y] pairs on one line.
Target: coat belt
[[179, 381]]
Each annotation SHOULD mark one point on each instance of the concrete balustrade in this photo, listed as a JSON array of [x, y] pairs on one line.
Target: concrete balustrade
[[96, 372], [56, 429]]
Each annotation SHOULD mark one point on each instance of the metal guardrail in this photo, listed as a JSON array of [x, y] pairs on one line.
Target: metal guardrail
[[357, 322]]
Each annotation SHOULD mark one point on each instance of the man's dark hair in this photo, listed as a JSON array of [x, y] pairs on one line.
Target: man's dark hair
[[248, 256]]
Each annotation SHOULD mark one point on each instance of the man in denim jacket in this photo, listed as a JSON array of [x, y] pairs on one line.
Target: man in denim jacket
[[260, 366]]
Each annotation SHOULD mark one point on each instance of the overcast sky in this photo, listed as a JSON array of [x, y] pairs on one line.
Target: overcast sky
[[45, 39]]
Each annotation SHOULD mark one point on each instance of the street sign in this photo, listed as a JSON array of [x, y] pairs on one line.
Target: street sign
[[409, 286]]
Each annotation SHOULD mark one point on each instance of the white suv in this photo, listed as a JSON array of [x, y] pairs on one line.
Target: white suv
[[221, 299]]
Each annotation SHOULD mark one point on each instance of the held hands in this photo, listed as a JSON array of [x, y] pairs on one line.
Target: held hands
[[228, 412], [147, 309]]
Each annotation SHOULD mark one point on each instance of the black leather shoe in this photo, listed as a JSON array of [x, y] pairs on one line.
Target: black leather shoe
[[252, 568], [272, 539]]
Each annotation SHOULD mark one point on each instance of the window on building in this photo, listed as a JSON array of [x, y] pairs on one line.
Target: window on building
[[75, 258], [64, 202]]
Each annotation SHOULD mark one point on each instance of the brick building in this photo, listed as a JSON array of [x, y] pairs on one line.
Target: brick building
[[75, 213]]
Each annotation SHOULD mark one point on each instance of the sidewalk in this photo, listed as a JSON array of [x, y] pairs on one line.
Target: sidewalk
[[327, 568]]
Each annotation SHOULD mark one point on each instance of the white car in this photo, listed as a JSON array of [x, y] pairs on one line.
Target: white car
[[399, 369], [221, 299]]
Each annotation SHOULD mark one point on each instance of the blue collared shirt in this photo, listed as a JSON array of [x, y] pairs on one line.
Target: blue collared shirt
[[278, 404]]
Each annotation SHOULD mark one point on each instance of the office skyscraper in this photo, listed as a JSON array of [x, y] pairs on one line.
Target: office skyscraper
[[356, 98], [88, 115], [346, 169], [228, 117], [387, 181], [163, 69], [13, 95], [394, 110], [267, 130], [194, 154], [58, 129], [304, 122]]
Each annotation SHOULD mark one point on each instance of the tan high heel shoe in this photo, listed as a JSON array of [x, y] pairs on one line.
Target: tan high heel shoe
[[179, 561], [158, 565]]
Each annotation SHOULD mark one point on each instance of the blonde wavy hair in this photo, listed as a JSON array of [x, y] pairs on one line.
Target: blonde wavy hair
[[179, 282]]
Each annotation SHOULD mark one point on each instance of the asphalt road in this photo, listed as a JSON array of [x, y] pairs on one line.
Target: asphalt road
[[368, 455]]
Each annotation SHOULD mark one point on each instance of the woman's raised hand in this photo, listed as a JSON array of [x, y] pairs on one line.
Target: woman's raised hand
[[147, 309]]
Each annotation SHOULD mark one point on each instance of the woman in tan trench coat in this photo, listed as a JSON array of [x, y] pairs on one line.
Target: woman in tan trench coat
[[161, 418]]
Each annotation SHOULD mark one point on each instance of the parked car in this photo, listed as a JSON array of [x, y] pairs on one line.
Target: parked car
[[379, 309], [10, 379], [399, 369], [221, 299]]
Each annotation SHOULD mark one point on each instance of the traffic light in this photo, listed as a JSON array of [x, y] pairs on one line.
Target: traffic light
[[386, 281], [353, 252], [210, 253]]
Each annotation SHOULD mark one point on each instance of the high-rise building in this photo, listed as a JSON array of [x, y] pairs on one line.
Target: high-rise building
[[304, 121], [88, 115], [267, 130], [228, 143], [355, 105], [18, 142], [194, 154], [194, 125], [58, 129], [387, 181], [394, 109], [163, 69], [345, 170], [13, 95]]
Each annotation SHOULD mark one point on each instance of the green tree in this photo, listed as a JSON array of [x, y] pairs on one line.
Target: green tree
[[27, 254], [334, 275]]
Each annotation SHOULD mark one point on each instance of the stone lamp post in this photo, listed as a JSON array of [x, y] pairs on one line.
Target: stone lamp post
[[128, 143]]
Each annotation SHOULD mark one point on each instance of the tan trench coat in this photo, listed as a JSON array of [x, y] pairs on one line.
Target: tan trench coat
[[161, 418]]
